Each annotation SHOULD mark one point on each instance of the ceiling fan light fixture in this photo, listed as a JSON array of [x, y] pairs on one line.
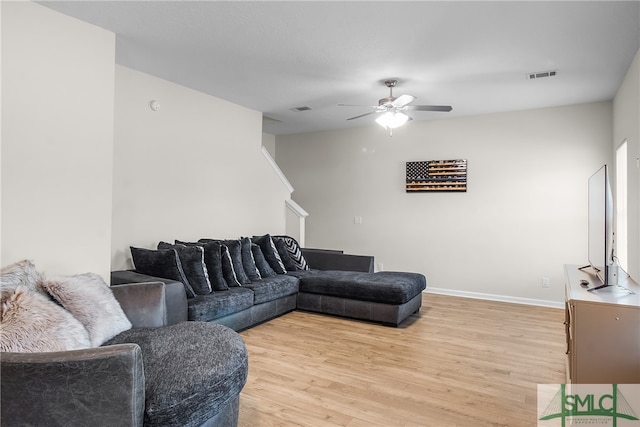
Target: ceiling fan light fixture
[[392, 119]]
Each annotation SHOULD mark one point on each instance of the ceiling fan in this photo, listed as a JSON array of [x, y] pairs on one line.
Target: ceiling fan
[[393, 108]]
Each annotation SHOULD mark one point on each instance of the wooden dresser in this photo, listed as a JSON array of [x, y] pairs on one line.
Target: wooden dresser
[[603, 330]]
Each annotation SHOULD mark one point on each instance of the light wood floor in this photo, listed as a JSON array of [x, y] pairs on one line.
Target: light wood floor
[[460, 362]]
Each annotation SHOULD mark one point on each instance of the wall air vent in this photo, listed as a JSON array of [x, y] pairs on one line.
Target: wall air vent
[[541, 74], [304, 108]]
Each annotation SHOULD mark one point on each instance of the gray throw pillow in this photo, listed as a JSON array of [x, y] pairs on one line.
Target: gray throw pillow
[[261, 263], [213, 261], [270, 252], [281, 246], [235, 251], [192, 261], [248, 262], [163, 263], [227, 268]]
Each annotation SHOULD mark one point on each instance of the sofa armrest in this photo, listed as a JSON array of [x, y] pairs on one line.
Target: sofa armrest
[[149, 302], [91, 387], [334, 260]]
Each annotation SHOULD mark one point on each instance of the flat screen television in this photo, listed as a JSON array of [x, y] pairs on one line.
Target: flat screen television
[[601, 257]]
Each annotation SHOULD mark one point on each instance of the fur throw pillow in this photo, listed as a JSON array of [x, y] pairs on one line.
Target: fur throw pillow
[[21, 273], [31, 322], [88, 298]]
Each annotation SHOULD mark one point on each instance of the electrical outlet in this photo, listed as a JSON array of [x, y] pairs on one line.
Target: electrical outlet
[[545, 282], [380, 267], [357, 220]]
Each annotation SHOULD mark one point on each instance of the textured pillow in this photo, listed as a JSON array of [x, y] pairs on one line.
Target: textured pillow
[[88, 298], [192, 261], [31, 322], [161, 263], [270, 252], [20, 273], [248, 262], [281, 246], [293, 251], [235, 251], [227, 268], [261, 263], [213, 261]]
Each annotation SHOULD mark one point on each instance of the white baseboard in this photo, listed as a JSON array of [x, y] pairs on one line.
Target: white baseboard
[[494, 297]]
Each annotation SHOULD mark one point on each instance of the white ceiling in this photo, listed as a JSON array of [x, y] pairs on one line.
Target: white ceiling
[[275, 56]]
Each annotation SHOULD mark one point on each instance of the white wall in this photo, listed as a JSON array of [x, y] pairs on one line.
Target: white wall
[[524, 214], [57, 140], [626, 125], [269, 142], [192, 169]]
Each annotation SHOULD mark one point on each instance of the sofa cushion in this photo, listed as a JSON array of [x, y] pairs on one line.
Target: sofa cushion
[[88, 298], [192, 369], [161, 263], [192, 261], [261, 263], [388, 287], [270, 252], [271, 288], [209, 307]]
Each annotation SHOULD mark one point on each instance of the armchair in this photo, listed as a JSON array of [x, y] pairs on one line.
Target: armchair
[[163, 372]]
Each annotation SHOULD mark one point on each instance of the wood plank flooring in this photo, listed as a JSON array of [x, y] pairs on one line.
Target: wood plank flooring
[[459, 362]]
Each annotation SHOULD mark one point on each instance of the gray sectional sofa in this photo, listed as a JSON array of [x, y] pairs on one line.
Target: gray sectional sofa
[[178, 362], [334, 283]]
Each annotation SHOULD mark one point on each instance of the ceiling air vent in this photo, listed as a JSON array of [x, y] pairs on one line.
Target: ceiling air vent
[[541, 74], [305, 108]]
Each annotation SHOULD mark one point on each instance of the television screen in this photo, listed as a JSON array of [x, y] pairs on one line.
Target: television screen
[[601, 224]]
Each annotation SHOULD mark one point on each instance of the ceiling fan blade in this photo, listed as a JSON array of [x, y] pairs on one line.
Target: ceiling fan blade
[[403, 100], [354, 105], [362, 115], [443, 108]]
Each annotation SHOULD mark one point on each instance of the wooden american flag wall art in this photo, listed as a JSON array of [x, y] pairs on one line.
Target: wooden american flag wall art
[[437, 175]]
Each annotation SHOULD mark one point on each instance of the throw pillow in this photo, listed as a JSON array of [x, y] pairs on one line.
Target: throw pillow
[[21, 273], [281, 246], [295, 253], [88, 298], [161, 263], [248, 262], [235, 251], [31, 322], [192, 261], [270, 252], [213, 261], [261, 263], [227, 268]]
